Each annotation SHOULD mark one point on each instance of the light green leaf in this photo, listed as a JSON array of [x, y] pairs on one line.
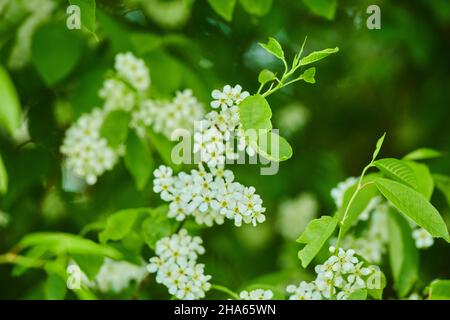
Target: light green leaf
[[163, 146], [87, 13], [257, 7], [121, 223], [317, 55], [138, 160], [397, 170], [314, 237], [403, 254], [266, 76], [157, 226], [274, 48], [424, 179], [308, 75], [423, 154], [255, 113], [3, 177], [376, 284], [359, 203], [10, 112], [440, 290], [55, 287], [224, 8], [55, 52], [273, 147], [378, 147], [414, 205], [59, 243], [323, 8], [443, 185], [360, 294], [115, 127], [89, 264]]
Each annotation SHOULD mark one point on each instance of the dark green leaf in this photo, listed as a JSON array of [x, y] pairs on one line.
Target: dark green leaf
[[10, 112], [138, 160], [403, 254], [224, 8], [121, 223], [257, 7], [55, 52], [323, 8], [87, 13]]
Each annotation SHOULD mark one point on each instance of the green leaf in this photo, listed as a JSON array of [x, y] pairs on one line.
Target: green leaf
[[378, 147], [397, 170], [59, 243], [55, 287], [55, 52], [443, 185], [157, 226], [89, 264], [308, 75], [120, 224], [323, 8], [376, 283], [224, 8], [3, 177], [316, 234], [440, 290], [257, 7], [424, 179], [415, 206], [359, 203], [87, 13], [115, 127], [422, 154], [10, 112], [138, 160], [255, 113], [164, 147], [403, 254], [266, 76], [317, 55], [145, 42], [360, 294], [274, 48], [273, 147]]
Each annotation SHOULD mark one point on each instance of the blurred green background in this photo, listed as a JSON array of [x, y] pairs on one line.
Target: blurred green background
[[395, 79]]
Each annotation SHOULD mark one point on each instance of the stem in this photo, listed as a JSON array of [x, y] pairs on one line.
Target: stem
[[12, 258], [355, 193], [225, 290]]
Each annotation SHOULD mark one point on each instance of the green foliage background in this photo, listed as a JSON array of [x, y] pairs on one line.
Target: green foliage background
[[395, 80]]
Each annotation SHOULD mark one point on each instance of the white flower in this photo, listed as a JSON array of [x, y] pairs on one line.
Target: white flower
[[117, 95], [257, 294], [115, 276], [228, 97], [338, 192], [295, 214], [87, 153], [133, 70], [176, 266], [423, 238], [304, 291]]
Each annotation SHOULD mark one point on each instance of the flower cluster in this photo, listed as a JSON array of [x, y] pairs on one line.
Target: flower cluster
[[87, 153], [166, 117], [112, 277], [176, 266], [339, 191], [371, 244], [214, 136], [295, 214], [208, 196], [132, 70], [115, 276], [257, 294], [341, 275]]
